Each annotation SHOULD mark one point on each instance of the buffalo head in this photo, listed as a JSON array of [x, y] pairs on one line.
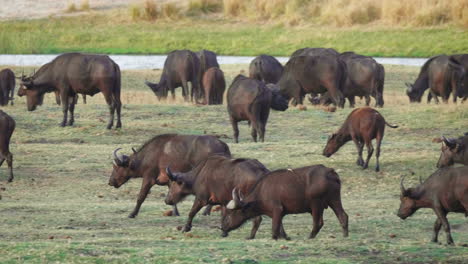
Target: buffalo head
[[408, 199], [414, 94], [236, 213], [123, 169], [278, 102], [179, 187], [334, 143], [451, 148], [34, 97], [158, 90], [459, 76]]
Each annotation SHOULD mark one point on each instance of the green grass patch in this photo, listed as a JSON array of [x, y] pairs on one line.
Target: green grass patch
[[109, 33]]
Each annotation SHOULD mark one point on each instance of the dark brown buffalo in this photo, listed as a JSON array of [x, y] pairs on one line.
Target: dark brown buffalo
[[75, 73], [442, 74], [314, 52], [362, 126], [7, 126], [444, 191], [313, 74], [462, 59], [265, 68], [7, 86], [250, 99], [304, 190], [180, 67], [181, 152], [212, 182], [214, 85], [208, 59], [454, 150]]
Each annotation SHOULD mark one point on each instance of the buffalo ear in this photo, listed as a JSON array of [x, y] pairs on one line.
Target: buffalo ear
[[134, 164]]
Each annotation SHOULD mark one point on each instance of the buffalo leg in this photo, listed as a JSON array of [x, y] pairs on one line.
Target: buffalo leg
[[429, 97], [377, 152], [317, 215], [12, 93], [352, 101], [276, 224], [370, 151], [185, 91], [9, 159], [256, 224], [340, 213], [360, 147], [110, 102], [442, 215], [65, 105], [84, 98], [437, 226], [71, 109], [207, 210], [368, 99], [253, 133], [436, 99], [197, 205], [118, 108], [283, 234], [235, 128], [145, 188]]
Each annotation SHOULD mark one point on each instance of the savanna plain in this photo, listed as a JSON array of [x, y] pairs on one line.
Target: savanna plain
[[59, 208]]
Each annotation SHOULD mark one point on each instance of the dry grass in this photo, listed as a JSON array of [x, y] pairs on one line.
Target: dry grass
[[204, 6]]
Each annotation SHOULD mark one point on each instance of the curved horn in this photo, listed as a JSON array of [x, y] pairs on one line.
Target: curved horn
[[448, 141], [241, 197], [170, 175], [116, 157], [134, 150], [402, 187], [234, 194]]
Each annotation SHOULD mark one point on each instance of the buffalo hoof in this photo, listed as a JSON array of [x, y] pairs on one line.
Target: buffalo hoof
[[70, 123], [377, 169], [63, 124], [360, 162], [119, 125], [10, 179], [109, 126], [224, 234], [132, 215], [187, 228], [250, 238]]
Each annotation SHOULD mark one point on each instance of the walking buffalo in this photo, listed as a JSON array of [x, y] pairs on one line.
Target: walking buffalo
[[7, 126], [250, 99], [442, 74], [180, 67], [181, 152], [362, 125], [214, 85], [444, 191], [7, 86], [454, 150], [71, 74], [304, 190], [313, 74], [265, 68], [212, 182]]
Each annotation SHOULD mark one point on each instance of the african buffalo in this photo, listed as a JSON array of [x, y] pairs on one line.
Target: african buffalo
[[7, 126], [214, 85], [250, 99], [442, 74], [314, 52], [7, 86], [71, 74], [454, 150], [462, 59], [208, 59], [180, 67], [212, 182], [444, 191], [265, 68], [304, 190], [362, 125], [313, 74], [181, 152]]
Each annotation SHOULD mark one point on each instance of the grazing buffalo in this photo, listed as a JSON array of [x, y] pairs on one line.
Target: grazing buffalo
[[71, 74], [181, 152], [313, 74], [7, 126], [454, 150], [212, 182], [250, 99], [265, 68], [361, 126], [304, 190], [180, 67], [214, 85], [442, 74], [314, 52], [7, 86], [444, 191]]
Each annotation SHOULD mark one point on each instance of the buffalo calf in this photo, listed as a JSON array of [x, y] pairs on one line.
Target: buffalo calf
[[7, 126], [250, 99], [361, 126], [444, 191], [305, 190], [214, 85]]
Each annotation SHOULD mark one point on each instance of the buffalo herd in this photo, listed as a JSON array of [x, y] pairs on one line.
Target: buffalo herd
[[245, 189]]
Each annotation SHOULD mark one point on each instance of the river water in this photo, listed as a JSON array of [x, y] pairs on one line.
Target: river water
[[133, 62]]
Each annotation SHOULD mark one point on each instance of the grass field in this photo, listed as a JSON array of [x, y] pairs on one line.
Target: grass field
[[60, 209], [116, 33]]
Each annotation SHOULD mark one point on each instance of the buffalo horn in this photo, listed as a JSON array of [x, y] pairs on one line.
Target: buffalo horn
[[241, 197], [410, 88], [233, 204], [134, 150], [402, 187], [116, 157], [169, 174]]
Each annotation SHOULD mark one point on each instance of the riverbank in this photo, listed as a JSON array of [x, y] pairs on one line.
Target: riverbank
[[114, 33]]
